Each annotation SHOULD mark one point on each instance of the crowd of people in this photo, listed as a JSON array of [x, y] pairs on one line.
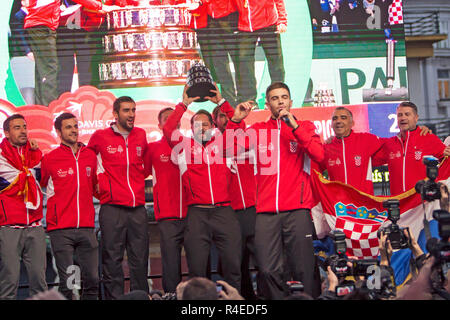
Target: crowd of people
[[247, 190]]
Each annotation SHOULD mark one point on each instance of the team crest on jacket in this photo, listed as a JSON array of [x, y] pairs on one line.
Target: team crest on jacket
[[164, 158], [139, 151], [357, 161], [61, 173], [293, 146], [418, 155], [70, 171], [88, 171]]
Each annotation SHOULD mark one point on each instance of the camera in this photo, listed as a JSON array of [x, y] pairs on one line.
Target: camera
[[440, 249], [338, 261], [295, 287], [428, 189], [360, 267], [395, 234]]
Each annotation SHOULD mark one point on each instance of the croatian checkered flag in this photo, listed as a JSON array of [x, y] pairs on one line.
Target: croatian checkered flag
[[396, 12], [360, 215]]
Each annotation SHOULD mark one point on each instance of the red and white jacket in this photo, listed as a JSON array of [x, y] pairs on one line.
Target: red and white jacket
[[169, 198], [284, 162], [243, 181], [204, 170], [47, 12], [120, 167], [70, 180], [349, 159], [214, 8], [404, 158], [220, 8], [243, 177], [257, 14]]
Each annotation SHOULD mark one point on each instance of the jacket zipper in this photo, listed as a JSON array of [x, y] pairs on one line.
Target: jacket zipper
[[404, 150], [249, 17], [345, 161], [78, 186], [128, 172], [240, 186], [278, 168], [56, 216], [209, 176]]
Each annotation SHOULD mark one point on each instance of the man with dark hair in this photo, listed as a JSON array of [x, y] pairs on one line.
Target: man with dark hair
[[123, 218], [348, 157], [404, 152], [206, 178], [285, 148], [22, 236], [169, 200], [69, 173]]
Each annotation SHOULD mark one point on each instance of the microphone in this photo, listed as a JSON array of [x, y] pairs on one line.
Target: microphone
[[285, 119]]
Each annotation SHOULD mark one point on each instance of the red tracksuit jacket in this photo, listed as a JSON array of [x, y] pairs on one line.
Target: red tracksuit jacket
[[284, 163], [349, 159], [213, 8], [120, 167], [404, 158], [258, 14], [243, 174], [168, 195], [205, 174], [70, 180], [47, 12], [243, 182]]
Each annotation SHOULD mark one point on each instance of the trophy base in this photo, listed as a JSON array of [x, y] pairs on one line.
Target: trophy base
[[201, 90]]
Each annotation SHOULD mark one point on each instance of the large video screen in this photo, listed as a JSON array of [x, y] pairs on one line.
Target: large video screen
[[329, 52]]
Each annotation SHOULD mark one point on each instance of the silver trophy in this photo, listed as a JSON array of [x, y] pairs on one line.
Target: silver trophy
[[200, 82]]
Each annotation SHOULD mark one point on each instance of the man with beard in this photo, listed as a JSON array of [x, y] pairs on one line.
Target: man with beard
[[123, 218], [205, 177], [69, 174], [22, 236]]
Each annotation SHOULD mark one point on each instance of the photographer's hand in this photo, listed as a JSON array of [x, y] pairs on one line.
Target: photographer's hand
[[385, 249], [230, 292], [413, 245], [333, 281], [444, 201]]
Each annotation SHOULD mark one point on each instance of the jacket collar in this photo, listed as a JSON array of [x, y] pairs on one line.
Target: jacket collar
[[350, 135]]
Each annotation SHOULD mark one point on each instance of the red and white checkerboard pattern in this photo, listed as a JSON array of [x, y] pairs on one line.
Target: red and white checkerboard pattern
[[361, 239], [396, 12]]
